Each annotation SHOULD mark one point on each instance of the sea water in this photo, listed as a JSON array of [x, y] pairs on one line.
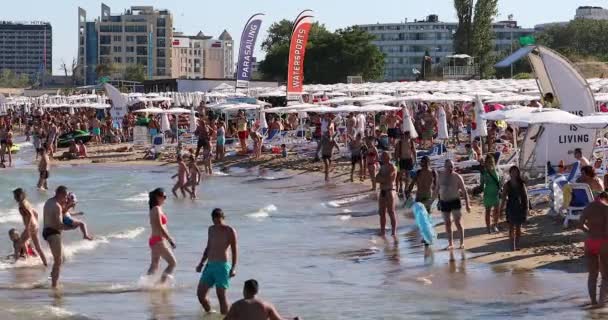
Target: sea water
[[311, 246]]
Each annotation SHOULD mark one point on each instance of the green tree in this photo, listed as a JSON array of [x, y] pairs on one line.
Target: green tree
[[330, 56], [578, 40], [135, 72], [462, 37], [104, 70], [278, 34], [482, 44]]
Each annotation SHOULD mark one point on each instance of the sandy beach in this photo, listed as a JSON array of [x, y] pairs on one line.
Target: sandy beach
[[545, 243]]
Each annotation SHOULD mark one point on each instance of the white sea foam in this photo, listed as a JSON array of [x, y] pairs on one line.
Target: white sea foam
[[345, 217], [220, 174], [141, 197], [12, 215], [340, 202], [264, 212], [129, 234], [74, 248]]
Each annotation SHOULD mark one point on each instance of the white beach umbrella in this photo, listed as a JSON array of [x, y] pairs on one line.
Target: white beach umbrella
[[192, 120], [443, 125], [593, 121], [164, 123], [407, 124], [482, 127]]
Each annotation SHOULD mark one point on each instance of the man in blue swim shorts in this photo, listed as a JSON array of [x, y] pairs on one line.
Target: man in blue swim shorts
[[218, 271]]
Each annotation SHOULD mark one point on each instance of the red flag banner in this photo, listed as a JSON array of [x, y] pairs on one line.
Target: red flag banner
[[297, 51]]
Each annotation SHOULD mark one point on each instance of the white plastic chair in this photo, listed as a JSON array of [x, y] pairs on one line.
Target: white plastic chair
[[581, 197]]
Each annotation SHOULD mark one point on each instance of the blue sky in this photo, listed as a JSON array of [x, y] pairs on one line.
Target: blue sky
[[212, 17]]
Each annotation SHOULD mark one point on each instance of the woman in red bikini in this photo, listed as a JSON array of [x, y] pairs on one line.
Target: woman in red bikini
[[158, 226], [594, 221]]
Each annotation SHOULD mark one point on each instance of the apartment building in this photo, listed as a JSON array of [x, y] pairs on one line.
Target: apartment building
[[141, 35], [202, 57], [404, 44], [26, 47]]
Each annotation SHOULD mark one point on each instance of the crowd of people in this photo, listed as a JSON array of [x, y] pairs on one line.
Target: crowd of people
[[379, 148]]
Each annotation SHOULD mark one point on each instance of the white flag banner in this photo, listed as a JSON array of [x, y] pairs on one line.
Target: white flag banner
[[119, 102]]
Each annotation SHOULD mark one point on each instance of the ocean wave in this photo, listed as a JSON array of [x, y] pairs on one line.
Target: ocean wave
[[71, 249], [128, 234], [141, 197], [12, 215], [345, 201], [264, 212], [46, 312]]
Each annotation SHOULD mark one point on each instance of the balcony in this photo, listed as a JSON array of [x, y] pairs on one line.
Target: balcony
[[460, 72]]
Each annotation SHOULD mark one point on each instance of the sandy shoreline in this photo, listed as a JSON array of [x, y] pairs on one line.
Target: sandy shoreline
[[544, 245]]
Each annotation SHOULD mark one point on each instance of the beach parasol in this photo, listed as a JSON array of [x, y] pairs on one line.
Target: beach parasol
[[407, 124]]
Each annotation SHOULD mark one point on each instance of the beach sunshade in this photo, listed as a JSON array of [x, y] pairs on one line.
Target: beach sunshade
[[593, 121], [408, 125], [481, 129], [443, 125]]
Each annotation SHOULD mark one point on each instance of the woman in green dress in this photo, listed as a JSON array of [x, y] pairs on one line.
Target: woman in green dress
[[490, 183]]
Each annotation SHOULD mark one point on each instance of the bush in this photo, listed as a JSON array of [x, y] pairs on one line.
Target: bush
[[522, 76]]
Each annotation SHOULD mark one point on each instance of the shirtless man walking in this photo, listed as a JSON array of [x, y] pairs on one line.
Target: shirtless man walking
[[327, 148], [405, 151], [218, 271], [252, 308], [52, 228], [425, 181], [594, 221], [386, 202], [449, 187], [43, 167]]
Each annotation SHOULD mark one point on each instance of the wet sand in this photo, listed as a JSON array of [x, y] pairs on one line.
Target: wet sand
[[545, 243]]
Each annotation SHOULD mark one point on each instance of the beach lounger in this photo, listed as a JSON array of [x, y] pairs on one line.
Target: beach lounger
[[581, 197]]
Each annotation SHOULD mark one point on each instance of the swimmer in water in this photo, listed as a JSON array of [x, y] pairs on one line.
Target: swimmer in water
[[252, 308], [182, 178], [218, 271], [71, 223], [30, 221], [386, 202], [52, 228], [43, 167], [19, 250], [159, 233], [195, 177]]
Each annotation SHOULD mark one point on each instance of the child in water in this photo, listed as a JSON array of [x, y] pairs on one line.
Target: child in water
[[20, 252], [283, 151], [71, 223], [194, 178]]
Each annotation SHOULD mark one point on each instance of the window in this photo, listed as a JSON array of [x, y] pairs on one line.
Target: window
[[161, 63], [117, 60], [130, 39], [117, 38], [130, 49], [130, 60], [137, 28], [160, 32], [142, 60], [105, 39], [104, 50], [117, 49], [161, 42], [161, 22], [160, 53], [142, 40], [142, 51], [110, 28]]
